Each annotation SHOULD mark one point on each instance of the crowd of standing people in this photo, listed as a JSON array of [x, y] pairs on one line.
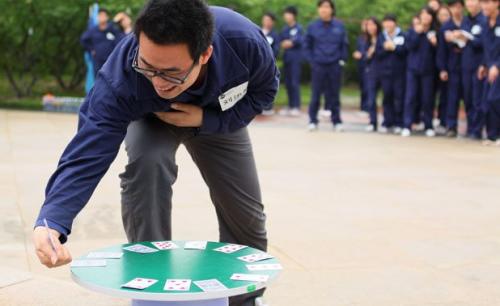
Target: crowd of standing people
[[449, 54]]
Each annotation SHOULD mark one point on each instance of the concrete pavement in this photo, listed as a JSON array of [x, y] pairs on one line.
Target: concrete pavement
[[356, 219]]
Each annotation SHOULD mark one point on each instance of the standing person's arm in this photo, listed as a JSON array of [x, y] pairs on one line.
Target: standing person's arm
[[86, 41], [442, 55], [308, 45], [261, 92], [102, 125], [345, 46]]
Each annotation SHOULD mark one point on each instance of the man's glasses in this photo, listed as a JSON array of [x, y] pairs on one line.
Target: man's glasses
[[150, 73]]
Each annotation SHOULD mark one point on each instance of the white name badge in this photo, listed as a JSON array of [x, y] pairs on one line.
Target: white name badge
[[476, 30], [270, 40], [497, 31], [293, 32], [399, 40], [431, 34], [110, 36], [232, 96]]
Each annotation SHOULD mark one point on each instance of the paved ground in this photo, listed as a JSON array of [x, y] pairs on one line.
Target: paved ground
[[357, 219]]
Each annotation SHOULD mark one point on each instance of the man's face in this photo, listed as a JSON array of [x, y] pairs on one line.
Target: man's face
[[434, 5], [289, 18], [102, 18], [457, 9], [489, 7], [174, 60], [325, 11], [473, 6], [389, 26], [267, 23]]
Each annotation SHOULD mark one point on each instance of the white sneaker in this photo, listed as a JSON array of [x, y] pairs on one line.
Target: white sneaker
[[260, 302], [294, 112], [370, 128], [430, 133], [441, 130], [284, 112], [420, 127], [497, 143], [312, 127], [269, 112], [383, 130], [406, 133], [325, 113], [338, 127], [397, 130]]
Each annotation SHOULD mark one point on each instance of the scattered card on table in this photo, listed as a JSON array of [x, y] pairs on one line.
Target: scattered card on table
[[105, 255], [264, 267], [79, 263], [139, 248], [250, 277], [177, 285], [255, 257], [195, 245], [210, 285], [230, 248], [140, 283], [165, 245]]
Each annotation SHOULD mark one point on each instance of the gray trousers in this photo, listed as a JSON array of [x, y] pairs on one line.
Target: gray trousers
[[227, 166]]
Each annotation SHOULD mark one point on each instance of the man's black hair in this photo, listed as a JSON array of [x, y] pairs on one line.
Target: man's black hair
[[103, 10], [270, 15], [390, 17], [332, 5], [168, 22], [453, 2], [291, 10]]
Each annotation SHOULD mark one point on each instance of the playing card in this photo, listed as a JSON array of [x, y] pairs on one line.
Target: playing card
[[230, 248], [139, 248], [250, 277], [255, 257], [264, 267], [210, 285], [79, 263], [195, 245], [177, 285], [140, 283], [165, 245], [105, 255]]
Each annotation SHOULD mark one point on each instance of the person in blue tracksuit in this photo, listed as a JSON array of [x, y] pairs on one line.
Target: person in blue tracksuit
[[489, 69], [101, 39], [391, 56], [268, 21], [372, 82], [449, 63], [291, 39], [471, 60], [326, 48], [442, 17], [360, 56], [190, 74], [421, 42]]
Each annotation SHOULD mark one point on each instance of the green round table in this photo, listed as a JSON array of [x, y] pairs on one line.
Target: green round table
[[177, 263]]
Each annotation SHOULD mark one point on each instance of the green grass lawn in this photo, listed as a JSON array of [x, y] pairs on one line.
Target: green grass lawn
[[350, 96]]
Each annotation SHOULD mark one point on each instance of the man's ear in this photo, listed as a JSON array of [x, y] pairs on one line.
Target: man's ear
[[205, 56]]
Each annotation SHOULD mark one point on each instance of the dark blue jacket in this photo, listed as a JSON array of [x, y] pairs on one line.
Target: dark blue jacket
[[490, 38], [121, 95], [421, 53], [296, 35], [326, 42], [274, 41], [449, 54], [101, 43], [473, 51], [362, 47], [391, 62]]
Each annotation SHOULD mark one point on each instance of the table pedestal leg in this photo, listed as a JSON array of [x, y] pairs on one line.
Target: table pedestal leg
[[216, 302]]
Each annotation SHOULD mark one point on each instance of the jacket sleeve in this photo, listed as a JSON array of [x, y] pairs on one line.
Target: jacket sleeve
[[102, 126], [412, 40], [442, 51], [308, 44], [345, 47], [86, 41], [262, 89]]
